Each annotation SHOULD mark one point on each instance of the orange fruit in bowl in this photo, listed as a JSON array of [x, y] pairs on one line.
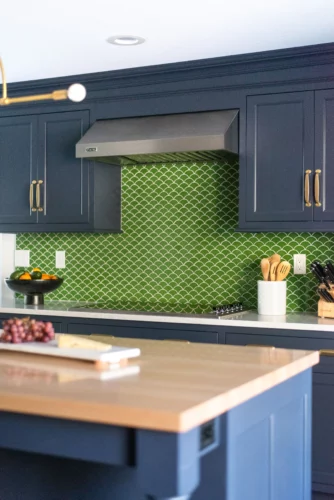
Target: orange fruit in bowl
[[25, 276], [46, 276]]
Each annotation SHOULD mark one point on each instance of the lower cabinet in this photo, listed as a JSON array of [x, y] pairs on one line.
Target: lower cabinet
[[129, 329], [323, 394], [58, 324], [323, 431], [155, 331]]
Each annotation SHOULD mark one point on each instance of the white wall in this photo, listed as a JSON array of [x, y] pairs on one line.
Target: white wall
[[7, 263]]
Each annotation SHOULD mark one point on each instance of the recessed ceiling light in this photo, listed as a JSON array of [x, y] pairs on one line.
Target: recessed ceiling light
[[125, 40]]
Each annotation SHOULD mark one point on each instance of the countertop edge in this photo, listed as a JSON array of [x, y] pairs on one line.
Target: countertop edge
[[280, 323], [231, 399]]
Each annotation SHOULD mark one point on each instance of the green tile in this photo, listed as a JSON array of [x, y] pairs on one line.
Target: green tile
[[179, 250]]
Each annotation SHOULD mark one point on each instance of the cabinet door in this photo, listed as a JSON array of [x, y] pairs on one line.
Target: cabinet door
[[323, 432], [280, 149], [324, 155], [65, 187], [18, 168]]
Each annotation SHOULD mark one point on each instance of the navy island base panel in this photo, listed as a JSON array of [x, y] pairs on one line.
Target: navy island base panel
[[259, 450]]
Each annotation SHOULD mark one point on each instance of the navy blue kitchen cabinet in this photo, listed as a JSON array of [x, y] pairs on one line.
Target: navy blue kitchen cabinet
[[324, 156], [18, 161], [289, 162], [129, 329], [44, 187], [64, 178], [280, 152], [323, 392]]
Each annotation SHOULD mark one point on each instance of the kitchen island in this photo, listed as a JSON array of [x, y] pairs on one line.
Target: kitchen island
[[198, 421]]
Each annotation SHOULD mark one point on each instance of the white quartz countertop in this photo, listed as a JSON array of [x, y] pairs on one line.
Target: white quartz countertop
[[292, 321]]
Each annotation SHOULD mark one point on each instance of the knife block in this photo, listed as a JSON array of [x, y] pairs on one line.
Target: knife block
[[325, 309]]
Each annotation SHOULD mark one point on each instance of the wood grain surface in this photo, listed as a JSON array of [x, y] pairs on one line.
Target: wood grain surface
[[179, 386]]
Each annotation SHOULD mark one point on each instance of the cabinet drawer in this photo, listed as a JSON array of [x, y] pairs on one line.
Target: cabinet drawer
[[58, 327], [288, 342], [144, 332], [326, 364]]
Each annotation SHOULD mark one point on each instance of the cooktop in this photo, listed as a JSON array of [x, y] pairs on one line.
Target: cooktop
[[218, 310]]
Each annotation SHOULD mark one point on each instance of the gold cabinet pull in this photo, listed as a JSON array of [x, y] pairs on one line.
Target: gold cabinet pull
[[326, 352], [260, 345], [38, 196], [31, 196], [317, 188], [176, 340], [307, 188], [110, 337]]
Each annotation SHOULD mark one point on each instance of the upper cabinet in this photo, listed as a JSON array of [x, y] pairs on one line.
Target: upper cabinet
[[290, 162], [64, 179], [324, 156], [18, 160], [44, 187]]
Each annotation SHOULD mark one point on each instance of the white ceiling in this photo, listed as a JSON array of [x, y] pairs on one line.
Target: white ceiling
[[41, 39]]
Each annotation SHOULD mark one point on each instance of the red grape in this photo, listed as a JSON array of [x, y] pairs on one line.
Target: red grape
[[26, 330]]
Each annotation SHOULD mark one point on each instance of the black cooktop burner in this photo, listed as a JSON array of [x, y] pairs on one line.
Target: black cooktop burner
[[226, 309]]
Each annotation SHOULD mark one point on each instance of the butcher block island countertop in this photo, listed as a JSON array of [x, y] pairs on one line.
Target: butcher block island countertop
[[179, 386]]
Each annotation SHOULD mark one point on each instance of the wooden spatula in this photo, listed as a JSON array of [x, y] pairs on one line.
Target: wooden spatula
[[265, 268], [282, 270], [274, 258], [273, 269]]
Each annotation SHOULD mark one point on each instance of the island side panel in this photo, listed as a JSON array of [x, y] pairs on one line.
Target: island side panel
[[269, 444]]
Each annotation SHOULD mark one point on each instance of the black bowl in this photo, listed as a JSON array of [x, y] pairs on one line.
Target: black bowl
[[33, 289]]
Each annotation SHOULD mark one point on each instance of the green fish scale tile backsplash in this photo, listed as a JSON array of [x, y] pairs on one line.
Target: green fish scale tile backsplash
[[178, 250]]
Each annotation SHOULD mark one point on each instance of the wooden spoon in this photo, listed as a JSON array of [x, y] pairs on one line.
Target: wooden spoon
[[273, 269], [274, 258], [283, 270], [265, 268]]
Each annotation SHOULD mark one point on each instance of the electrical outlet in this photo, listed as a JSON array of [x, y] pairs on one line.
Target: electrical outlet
[[22, 258], [299, 263], [60, 259]]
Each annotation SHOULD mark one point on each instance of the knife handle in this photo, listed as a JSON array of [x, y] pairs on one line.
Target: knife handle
[[322, 294], [330, 267], [329, 275], [316, 273], [325, 295]]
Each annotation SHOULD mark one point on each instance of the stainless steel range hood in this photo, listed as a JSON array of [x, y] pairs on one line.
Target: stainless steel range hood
[[209, 136]]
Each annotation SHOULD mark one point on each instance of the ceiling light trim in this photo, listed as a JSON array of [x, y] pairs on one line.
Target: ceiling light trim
[[126, 40]]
